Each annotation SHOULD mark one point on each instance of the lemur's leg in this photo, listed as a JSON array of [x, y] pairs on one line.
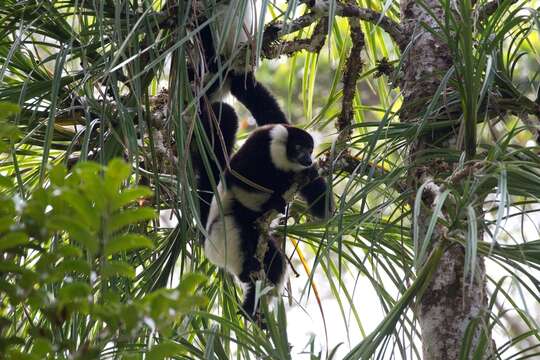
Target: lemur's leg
[[274, 263], [257, 99], [221, 122], [249, 237], [274, 266]]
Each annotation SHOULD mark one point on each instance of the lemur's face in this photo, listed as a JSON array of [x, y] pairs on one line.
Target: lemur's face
[[299, 147], [301, 154]]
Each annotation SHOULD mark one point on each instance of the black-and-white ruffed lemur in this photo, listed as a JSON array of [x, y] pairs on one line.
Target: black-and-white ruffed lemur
[[271, 158], [219, 118]]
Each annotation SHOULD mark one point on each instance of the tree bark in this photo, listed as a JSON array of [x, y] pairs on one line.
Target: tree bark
[[451, 302]]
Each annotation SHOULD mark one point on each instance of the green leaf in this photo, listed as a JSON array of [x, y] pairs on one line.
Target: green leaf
[[130, 216], [190, 282], [17, 355], [73, 265], [76, 230], [68, 250], [6, 222], [9, 266], [118, 268], [41, 347], [164, 350], [5, 182], [127, 242], [116, 173], [12, 240], [130, 195], [74, 290], [7, 109], [58, 175], [82, 207]]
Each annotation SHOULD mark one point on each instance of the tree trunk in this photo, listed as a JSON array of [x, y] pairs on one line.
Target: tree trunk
[[450, 302]]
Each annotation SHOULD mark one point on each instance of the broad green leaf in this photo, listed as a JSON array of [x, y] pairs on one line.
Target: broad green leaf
[[5, 182], [76, 230], [57, 175], [165, 350], [8, 266], [6, 222], [118, 268], [69, 251], [7, 109], [84, 211], [78, 266], [127, 242], [12, 240], [116, 173], [130, 216], [190, 282], [75, 290], [42, 347], [129, 195]]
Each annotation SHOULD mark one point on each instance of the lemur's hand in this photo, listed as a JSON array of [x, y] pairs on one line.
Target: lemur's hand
[[271, 38], [311, 172], [276, 202], [318, 6]]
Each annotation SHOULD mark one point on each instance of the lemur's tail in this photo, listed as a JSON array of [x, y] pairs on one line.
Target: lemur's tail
[[220, 126]]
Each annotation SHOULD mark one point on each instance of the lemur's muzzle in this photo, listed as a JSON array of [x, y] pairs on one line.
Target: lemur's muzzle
[[305, 159]]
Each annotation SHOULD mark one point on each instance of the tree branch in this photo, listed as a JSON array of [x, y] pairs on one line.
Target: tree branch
[[314, 44], [278, 29], [349, 163], [489, 8], [350, 77]]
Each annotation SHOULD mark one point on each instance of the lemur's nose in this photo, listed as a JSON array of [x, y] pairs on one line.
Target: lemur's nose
[[305, 159]]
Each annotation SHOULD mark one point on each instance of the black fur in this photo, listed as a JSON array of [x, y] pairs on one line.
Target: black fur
[[317, 196], [254, 162], [274, 267], [243, 86], [257, 99], [221, 121]]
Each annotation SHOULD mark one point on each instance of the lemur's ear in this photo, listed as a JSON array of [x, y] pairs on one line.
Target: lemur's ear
[[320, 200]]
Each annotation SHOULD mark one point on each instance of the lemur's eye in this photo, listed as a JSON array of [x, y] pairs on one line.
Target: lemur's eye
[[297, 147]]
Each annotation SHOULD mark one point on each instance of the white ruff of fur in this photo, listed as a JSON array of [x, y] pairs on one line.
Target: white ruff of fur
[[278, 150]]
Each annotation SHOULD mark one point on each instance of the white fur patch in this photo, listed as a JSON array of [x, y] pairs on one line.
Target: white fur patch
[[225, 198], [222, 246], [253, 200], [321, 6], [278, 150], [231, 36]]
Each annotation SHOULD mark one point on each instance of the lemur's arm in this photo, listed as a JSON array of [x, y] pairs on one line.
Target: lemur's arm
[[243, 85], [257, 99], [276, 202], [318, 197]]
